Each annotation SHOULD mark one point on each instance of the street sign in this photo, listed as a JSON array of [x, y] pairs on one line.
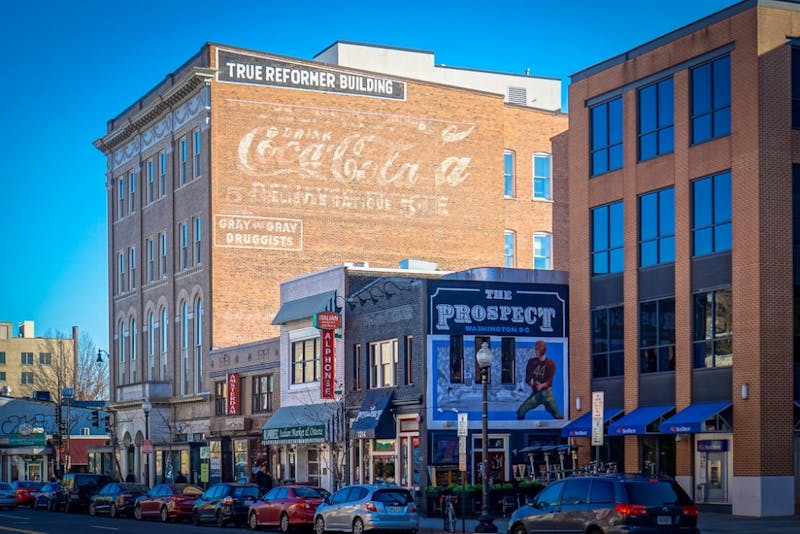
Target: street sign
[[67, 393], [147, 446], [462, 425], [598, 398]]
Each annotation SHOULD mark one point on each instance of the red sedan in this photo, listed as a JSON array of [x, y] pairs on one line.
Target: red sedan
[[167, 502], [25, 490], [286, 507]]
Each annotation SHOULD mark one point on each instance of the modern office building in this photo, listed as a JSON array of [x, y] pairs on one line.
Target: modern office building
[[684, 167], [241, 169]]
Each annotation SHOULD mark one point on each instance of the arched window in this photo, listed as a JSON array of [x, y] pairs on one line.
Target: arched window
[[164, 336], [184, 348], [122, 334], [198, 345], [151, 345], [133, 350]]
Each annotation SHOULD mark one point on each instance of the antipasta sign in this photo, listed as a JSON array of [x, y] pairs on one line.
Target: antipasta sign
[[241, 68]]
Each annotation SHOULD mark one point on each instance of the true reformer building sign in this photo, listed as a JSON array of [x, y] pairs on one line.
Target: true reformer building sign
[[258, 70]]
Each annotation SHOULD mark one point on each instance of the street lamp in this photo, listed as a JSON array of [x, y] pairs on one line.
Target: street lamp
[[100, 353], [484, 358], [146, 407]]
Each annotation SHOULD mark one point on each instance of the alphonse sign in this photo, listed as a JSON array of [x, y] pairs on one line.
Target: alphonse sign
[[328, 364]]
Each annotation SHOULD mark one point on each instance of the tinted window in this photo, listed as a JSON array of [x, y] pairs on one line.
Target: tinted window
[[656, 493], [602, 491], [340, 496], [357, 494], [549, 495], [392, 497], [282, 493], [308, 492], [272, 494], [576, 491]]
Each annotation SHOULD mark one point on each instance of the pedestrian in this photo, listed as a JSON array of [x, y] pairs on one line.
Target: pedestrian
[[180, 478], [264, 479], [131, 477]]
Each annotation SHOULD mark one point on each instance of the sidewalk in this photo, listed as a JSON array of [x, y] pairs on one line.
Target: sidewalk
[[709, 523]]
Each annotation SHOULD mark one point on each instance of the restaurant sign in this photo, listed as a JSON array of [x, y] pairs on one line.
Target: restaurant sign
[[294, 433]]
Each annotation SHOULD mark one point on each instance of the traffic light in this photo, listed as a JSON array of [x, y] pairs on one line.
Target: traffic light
[[95, 418]]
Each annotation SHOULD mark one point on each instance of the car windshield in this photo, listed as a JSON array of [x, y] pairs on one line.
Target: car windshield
[[308, 492], [246, 491], [141, 488], [655, 493], [392, 497]]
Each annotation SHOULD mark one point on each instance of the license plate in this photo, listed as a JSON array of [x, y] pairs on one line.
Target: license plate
[[396, 509], [664, 520]]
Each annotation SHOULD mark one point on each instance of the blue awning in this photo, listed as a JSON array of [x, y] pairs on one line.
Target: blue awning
[[582, 426], [305, 307], [371, 421], [637, 421], [690, 420]]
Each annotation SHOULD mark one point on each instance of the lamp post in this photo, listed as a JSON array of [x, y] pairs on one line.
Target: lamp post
[[100, 353], [484, 358], [146, 407]]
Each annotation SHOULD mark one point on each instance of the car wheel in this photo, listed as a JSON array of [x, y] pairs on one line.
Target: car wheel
[[51, 505], [195, 518], [252, 521], [164, 514], [285, 523], [92, 510], [220, 519], [137, 512], [519, 529], [68, 506], [358, 526], [319, 526], [113, 511]]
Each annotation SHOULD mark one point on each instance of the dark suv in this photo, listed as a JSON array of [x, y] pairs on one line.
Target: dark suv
[[226, 502], [78, 489], [608, 504]]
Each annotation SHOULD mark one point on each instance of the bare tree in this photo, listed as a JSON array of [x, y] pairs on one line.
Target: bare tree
[[57, 369], [93, 376]]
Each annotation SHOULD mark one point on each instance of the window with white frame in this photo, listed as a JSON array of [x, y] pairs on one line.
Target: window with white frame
[[198, 345], [150, 180], [542, 250], [183, 229], [508, 173], [184, 163], [162, 260], [121, 351], [164, 328], [132, 266], [132, 197], [45, 358], [151, 259], [542, 172], [184, 348], [198, 235], [134, 350], [383, 360], [121, 273], [510, 247], [196, 154], [162, 174], [151, 346], [306, 362], [120, 197], [26, 377]]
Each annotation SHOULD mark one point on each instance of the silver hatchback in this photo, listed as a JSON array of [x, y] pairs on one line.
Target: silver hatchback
[[363, 507]]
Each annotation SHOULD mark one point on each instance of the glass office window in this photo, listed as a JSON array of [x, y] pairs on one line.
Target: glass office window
[[657, 227], [711, 214], [711, 100], [656, 119], [607, 239], [606, 136]]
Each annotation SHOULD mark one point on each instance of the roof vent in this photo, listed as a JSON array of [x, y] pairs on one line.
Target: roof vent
[[517, 95]]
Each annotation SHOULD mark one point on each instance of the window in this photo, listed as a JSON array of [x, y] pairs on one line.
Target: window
[[796, 85], [263, 390], [542, 250], [456, 359], [134, 350], [608, 342], [2, 376], [607, 239], [711, 100], [510, 238], [196, 154], [184, 348], [121, 351], [198, 345], [162, 260], [383, 358], [151, 346], [711, 214], [712, 331], [656, 120], [507, 360], [184, 173], [151, 260], [26, 378], [120, 197], [409, 346], [198, 234], [132, 197], [121, 273], [606, 141], [150, 181], [357, 367], [45, 358], [542, 171], [657, 227], [164, 327], [2, 358], [132, 263], [183, 229], [508, 173], [162, 174], [305, 361], [220, 398], [26, 358], [657, 336]]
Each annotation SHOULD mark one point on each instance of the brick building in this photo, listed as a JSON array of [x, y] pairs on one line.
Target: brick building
[[682, 156], [242, 169]]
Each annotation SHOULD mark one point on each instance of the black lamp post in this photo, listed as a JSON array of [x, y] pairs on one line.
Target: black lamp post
[[484, 358], [146, 407], [100, 353]]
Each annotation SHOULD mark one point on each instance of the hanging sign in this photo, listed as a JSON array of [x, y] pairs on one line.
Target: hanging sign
[[328, 374], [233, 394]]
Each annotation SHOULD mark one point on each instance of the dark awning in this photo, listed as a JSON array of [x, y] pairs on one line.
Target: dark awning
[[690, 420], [638, 420], [372, 421], [582, 426], [306, 423], [305, 307]]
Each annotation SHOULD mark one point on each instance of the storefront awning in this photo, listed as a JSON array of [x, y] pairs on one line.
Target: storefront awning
[[306, 423], [305, 307], [372, 421], [638, 420], [582, 426], [690, 420]]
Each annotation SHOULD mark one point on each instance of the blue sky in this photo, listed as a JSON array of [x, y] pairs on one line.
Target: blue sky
[[71, 66]]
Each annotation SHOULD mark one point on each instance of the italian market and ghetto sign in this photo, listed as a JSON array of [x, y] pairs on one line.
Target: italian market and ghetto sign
[[234, 67], [294, 433]]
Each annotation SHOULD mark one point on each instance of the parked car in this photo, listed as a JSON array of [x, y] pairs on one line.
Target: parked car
[[167, 502], [8, 497], [116, 499], [363, 507], [286, 507], [24, 490], [48, 496], [603, 504], [78, 488], [227, 502]]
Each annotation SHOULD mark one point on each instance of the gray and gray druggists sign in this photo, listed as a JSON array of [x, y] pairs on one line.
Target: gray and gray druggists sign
[[243, 68]]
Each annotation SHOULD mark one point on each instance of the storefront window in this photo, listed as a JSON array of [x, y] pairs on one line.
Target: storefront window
[[240, 463]]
